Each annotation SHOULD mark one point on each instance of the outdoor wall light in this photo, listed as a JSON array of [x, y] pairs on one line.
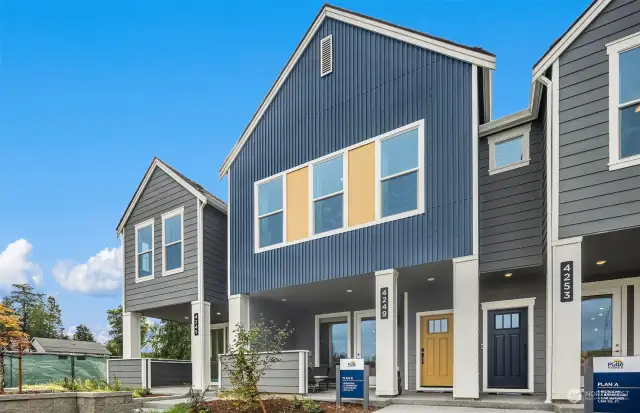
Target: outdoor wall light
[[349, 291], [218, 313], [431, 279], [508, 275], [284, 300], [601, 262]]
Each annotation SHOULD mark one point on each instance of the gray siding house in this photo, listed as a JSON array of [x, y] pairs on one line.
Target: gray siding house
[[174, 236]]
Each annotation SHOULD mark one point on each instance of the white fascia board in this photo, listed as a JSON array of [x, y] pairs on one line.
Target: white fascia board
[[407, 36], [515, 119], [157, 163], [592, 12]]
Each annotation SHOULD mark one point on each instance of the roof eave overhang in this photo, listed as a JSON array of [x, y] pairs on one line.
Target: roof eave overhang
[[515, 119], [474, 57]]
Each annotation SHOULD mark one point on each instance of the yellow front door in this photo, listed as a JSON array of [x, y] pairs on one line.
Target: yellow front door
[[436, 352]]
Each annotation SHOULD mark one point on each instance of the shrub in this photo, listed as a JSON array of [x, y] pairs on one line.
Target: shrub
[[312, 406]]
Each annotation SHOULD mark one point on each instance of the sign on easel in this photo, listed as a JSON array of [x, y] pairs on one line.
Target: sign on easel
[[352, 378], [614, 386]]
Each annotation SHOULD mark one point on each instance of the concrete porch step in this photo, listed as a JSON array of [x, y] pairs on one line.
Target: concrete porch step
[[529, 403]]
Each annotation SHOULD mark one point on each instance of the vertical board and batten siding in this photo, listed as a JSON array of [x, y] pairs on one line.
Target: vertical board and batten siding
[[378, 84], [128, 371], [513, 208], [498, 288], [592, 198], [214, 223], [162, 194]]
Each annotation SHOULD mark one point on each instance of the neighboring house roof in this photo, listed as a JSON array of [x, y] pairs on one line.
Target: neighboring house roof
[[475, 55], [195, 188], [52, 345], [542, 65]]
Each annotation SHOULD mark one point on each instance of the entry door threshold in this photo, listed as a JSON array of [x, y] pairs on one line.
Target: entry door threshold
[[435, 389]]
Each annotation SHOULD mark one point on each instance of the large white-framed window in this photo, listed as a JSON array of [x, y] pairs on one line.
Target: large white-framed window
[[328, 197], [399, 189], [269, 208], [144, 250], [173, 241], [400, 173], [624, 102], [509, 150]]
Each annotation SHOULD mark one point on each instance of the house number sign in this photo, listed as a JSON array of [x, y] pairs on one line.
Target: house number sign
[[566, 281], [384, 303], [195, 324]]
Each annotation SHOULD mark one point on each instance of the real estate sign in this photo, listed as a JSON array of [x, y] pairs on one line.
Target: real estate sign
[[616, 385], [353, 381]]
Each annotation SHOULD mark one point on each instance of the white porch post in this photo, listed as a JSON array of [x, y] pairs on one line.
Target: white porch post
[[567, 319], [466, 327], [386, 333], [131, 335], [200, 345], [239, 306]]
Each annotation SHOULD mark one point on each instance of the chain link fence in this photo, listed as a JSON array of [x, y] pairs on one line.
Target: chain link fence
[[42, 368]]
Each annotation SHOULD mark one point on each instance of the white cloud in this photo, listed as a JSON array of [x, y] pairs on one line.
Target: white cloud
[[15, 267], [100, 332], [101, 274]]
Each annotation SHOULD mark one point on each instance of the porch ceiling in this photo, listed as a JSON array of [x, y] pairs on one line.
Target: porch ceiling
[[619, 249], [182, 313]]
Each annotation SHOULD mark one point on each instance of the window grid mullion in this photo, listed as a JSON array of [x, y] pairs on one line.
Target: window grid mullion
[[408, 171], [323, 197], [630, 103], [268, 214]]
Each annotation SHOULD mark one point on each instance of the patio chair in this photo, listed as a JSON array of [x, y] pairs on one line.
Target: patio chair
[[315, 385], [321, 374]]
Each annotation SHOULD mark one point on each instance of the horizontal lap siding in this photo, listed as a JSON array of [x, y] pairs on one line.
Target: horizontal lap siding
[[282, 376], [592, 198], [378, 84], [162, 194], [215, 255], [128, 372], [525, 286], [513, 208]]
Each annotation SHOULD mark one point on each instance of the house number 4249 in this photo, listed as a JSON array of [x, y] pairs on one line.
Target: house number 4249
[[384, 303]]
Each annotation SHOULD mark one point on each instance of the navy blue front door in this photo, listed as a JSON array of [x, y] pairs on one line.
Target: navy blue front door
[[508, 349]]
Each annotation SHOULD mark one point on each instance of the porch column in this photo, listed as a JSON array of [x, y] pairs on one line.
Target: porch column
[[239, 306], [200, 345], [386, 333], [131, 335], [567, 318], [466, 327]]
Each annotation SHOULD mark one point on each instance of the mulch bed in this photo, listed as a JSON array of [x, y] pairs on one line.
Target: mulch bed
[[277, 405]]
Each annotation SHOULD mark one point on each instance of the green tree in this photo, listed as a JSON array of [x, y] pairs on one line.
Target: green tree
[[22, 299], [172, 340], [83, 334], [54, 319], [114, 318], [38, 321]]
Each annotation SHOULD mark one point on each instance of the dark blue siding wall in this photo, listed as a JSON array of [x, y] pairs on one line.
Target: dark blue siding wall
[[378, 84]]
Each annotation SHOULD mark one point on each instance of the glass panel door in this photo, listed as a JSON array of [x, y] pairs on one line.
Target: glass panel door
[[218, 346], [366, 341]]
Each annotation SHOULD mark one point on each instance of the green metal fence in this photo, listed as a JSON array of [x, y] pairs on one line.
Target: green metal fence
[[40, 368]]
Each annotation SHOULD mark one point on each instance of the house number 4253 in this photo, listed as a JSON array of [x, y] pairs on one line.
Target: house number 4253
[[566, 281]]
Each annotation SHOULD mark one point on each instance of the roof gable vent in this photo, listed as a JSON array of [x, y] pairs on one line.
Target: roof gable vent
[[326, 55]]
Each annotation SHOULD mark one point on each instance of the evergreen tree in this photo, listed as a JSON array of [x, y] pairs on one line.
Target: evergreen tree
[[83, 334], [22, 299], [54, 316]]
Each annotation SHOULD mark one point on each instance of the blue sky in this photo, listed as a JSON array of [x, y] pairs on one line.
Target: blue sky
[[91, 91]]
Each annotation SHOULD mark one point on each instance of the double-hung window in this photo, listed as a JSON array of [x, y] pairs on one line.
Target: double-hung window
[[399, 173], [328, 195], [172, 240], [270, 213], [144, 250], [624, 102]]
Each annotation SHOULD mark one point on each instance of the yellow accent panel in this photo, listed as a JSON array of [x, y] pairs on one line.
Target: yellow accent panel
[[362, 184], [298, 204]]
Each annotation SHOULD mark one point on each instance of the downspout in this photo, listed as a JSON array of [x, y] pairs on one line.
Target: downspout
[[549, 316], [201, 205]]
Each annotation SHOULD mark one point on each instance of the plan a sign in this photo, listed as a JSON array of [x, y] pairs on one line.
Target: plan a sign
[[616, 384]]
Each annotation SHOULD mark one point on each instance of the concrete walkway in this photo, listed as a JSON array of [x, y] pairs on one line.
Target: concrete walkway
[[401, 408]]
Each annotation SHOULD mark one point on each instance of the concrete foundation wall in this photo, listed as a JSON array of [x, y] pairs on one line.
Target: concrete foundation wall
[[116, 402]]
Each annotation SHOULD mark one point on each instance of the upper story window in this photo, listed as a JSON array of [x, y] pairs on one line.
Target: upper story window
[[624, 102], [328, 197], [399, 171], [270, 213], [172, 241], [509, 149], [144, 250]]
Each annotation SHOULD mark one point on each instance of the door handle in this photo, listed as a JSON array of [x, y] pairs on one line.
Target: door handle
[[421, 356]]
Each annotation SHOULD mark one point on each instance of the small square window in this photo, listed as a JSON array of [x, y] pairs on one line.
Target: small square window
[[509, 149]]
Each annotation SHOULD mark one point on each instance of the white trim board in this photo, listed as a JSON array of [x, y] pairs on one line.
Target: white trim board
[[529, 303], [316, 343], [136, 228], [405, 35], [173, 213], [522, 131], [406, 341], [419, 315], [157, 163]]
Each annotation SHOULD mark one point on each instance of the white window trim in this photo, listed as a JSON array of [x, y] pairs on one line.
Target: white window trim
[[418, 330], [319, 318], [507, 135], [256, 217], [614, 49], [149, 222], [529, 303], [165, 216], [345, 163], [343, 191]]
